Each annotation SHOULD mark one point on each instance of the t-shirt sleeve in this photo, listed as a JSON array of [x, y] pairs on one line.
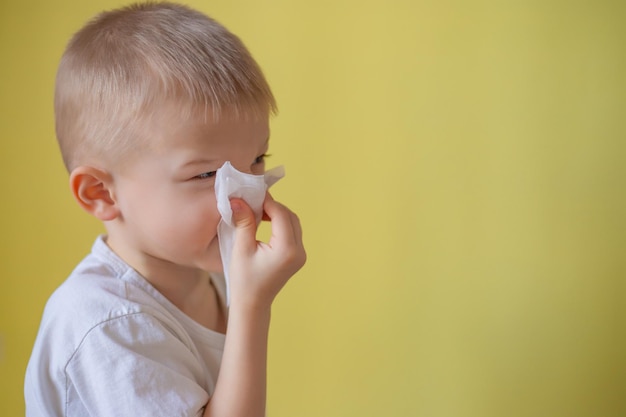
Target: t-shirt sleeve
[[134, 365]]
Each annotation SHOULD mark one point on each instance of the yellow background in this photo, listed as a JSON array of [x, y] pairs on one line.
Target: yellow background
[[459, 168]]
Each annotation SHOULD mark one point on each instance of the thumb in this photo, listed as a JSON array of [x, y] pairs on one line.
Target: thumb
[[245, 223]]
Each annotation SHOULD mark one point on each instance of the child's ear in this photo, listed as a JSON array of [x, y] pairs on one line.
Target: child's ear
[[93, 190]]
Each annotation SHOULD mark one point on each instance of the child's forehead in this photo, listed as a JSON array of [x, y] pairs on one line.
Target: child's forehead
[[201, 114], [169, 125]]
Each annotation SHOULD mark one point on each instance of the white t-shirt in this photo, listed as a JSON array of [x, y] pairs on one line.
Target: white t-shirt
[[110, 344]]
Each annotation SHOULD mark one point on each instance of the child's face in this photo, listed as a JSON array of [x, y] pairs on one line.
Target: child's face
[[168, 210]]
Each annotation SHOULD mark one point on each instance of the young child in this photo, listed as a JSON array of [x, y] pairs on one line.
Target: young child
[[150, 101]]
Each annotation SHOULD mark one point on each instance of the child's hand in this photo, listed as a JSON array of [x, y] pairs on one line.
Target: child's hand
[[259, 270]]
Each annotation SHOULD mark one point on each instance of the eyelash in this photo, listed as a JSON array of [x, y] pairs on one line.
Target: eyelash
[[261, 158], [206, 175]]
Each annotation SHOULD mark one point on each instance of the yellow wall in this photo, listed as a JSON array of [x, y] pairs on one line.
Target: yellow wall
[[459, 168]]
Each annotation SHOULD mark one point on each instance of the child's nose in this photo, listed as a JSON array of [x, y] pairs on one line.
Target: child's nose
[[242, 168]]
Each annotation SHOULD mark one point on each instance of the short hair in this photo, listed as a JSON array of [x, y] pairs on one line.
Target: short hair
[[124, 63]]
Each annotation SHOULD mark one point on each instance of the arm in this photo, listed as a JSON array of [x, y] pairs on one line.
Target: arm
[[258, 271]]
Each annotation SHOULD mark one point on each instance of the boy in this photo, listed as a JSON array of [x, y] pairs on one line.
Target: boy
[[150, 101]]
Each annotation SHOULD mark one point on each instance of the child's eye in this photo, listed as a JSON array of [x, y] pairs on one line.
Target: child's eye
[[261, 158], [205, 175]]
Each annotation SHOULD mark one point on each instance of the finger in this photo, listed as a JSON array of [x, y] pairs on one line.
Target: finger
[[297, 228], [295, 221], [282, 225], [297, 233], [245, 224]]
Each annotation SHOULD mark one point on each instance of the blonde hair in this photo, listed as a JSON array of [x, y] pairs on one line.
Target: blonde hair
[[125, 63]]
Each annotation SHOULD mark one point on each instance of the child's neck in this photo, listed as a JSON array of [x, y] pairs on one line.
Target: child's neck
[[189, 289], [197, 298]]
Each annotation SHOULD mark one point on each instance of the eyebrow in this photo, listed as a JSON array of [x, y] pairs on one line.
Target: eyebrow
[[210, 161], [198, 162], [267, 142]]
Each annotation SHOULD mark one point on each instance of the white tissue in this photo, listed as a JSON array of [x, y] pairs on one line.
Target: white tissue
[[230, 183]]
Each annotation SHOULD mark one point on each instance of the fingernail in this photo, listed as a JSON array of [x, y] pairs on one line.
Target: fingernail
[[235, 205]]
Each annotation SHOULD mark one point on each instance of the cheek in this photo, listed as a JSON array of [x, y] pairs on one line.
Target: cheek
[[180, 216], [199, 215]]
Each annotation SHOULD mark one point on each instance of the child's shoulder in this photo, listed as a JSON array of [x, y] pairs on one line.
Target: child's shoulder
[[95, 308], [101, 289], [91, 296]]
